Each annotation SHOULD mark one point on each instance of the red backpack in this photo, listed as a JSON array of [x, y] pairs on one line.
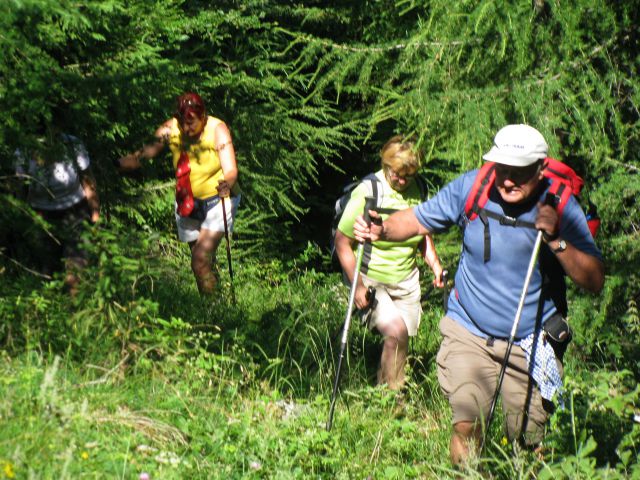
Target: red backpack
[[564, 183]]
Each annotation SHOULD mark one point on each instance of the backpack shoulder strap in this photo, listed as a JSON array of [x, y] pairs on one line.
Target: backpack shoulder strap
[[564, 182], [341, 203], [562, 192], [422, 186], [368, 246], [374, 183], [479, 193], [376, 193], [375, 189], [557, 170]]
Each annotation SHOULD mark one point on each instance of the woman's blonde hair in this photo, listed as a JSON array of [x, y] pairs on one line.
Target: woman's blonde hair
[[400, 154]]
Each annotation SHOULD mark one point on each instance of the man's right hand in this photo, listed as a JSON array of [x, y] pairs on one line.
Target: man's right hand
[[361, 299], [364, 232]]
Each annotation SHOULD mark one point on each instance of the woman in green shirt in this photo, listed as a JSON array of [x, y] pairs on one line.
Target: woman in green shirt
[[389, 267]]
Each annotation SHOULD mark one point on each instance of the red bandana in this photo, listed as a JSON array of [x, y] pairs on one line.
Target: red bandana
[[184, 195]]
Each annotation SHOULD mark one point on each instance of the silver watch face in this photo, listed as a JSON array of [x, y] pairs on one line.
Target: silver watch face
[[562, 246]]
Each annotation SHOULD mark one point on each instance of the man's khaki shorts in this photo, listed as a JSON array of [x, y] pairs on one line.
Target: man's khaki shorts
[[393, 300], [468, 370]]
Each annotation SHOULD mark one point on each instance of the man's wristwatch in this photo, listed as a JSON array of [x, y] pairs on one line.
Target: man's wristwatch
[[562, 246]]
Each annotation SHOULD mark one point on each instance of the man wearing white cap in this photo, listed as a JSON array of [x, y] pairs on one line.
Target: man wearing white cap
[[488, 286]]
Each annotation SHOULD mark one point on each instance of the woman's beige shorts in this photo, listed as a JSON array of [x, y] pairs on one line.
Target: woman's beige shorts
[[393, 300]]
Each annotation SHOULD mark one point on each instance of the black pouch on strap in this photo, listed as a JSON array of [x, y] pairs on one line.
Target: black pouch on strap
[[202, 206], [558, 334]]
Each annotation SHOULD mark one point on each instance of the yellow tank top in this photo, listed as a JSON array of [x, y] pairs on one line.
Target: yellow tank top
[[206, 170]]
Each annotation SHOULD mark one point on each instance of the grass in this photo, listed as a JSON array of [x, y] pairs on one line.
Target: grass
[[60, 421], [143, 376]]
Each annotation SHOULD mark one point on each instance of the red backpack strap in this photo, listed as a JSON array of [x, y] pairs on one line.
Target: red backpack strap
[[479, 193], [562, 192], [556, 170], [564, 182]]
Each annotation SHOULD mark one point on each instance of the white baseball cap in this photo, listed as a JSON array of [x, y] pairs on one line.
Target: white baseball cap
[[518, 146]]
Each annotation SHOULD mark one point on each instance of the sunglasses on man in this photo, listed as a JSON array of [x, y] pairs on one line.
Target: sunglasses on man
[[518, 175]]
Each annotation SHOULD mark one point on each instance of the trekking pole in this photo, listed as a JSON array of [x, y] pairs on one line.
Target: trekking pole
[[226, 237], [512, 336], [549, 200], [444, 276], [369, 204]]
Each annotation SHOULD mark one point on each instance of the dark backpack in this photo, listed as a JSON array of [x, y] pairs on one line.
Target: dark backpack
[[564, 183], [342, 201]]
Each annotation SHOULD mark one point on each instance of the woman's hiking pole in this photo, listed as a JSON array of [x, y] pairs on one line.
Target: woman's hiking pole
[[512, 336], [226, 237], [369, 204]]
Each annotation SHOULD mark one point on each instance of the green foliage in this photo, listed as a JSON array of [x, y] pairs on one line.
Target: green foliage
[[115, 67], [302, 85], [596, 436], [148, 372], [244, 389]]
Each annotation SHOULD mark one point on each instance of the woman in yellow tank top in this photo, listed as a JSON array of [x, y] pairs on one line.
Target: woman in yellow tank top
[[206, 172]]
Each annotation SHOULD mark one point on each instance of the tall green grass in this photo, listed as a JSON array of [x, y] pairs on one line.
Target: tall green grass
[[139, 374]]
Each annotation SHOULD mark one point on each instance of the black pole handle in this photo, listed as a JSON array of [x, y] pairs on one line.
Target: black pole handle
[[371, 298], [369, 204], [371, 293], [551, 199]]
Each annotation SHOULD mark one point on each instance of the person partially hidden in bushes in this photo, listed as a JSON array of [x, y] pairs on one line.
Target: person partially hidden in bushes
[[389, 267], [496, 251], [206, 180], [62, 190]]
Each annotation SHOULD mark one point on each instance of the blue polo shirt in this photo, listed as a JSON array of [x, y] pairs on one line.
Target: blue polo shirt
[[486, 295]]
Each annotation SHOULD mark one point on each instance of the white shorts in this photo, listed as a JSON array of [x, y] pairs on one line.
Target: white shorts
[[189, 228], [402, 298]]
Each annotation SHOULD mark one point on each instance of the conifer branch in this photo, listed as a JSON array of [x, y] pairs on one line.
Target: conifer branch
[[628, 166], [364, 49], [580, 61], [161, 186]]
